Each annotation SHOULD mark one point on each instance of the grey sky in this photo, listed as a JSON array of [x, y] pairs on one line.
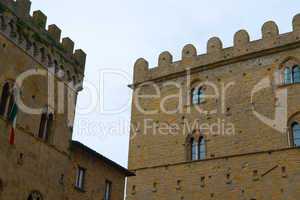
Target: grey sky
[[115, 33]]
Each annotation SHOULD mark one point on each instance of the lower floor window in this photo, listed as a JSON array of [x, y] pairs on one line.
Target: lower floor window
[[198, 148], [108, 187], [80, 178]]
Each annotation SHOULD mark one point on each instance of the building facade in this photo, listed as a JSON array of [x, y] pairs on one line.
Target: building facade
[[222, 125], [40, 77]]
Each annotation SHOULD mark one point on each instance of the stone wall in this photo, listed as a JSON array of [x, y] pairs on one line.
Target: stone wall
[[247, 101], [31, 164], [97, 173]]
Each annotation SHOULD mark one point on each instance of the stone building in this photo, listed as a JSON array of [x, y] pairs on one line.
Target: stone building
[[40, 77], [222, 125]]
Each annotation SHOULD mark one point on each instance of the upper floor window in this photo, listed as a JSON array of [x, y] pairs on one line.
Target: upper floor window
[[287, 76], [46, 125], [296, 134], [291, 74], [202, 149], [7, 100], [79, 184], [296, 74], [197, 96], [197, 148], [108, 189]]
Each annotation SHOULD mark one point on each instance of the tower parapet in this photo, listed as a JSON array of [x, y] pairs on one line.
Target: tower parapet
[[216, 55], [45, 45]]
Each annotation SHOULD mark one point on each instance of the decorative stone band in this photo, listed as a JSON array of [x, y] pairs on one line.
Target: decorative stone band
[[29, 30], [271, 39]]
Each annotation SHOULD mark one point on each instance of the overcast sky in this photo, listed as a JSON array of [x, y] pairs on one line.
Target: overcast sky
[[115, 33]]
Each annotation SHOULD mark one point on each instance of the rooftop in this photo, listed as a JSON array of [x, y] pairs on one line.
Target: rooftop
[[76, 144]]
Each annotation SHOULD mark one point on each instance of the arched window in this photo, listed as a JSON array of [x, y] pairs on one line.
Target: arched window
[[7, 100], [45, 125], [194, 148], [287, 76], [197, 148], [202, 148], [197, 96], [296, 74], [35, 196], [296, 134]]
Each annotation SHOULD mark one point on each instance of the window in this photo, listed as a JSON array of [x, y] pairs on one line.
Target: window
[[46, 125], [287, 76], [7, 100], [202, 149], [4, 99], [108, 188], [198, 148], [296, 134], [80, 178], [35, 196], [197, 96], [296, 74], [291, 74], [194, 149]]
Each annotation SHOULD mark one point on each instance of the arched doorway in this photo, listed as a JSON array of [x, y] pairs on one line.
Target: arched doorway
[[35, 195]]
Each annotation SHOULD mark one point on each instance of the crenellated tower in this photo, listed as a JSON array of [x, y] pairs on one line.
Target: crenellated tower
[[44, 45], [215, 54], [220, 125]]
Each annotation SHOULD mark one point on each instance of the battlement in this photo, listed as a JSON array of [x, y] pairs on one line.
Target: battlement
[[216, 55], [30, 34]]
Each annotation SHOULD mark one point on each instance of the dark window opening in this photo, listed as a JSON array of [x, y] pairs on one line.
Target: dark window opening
[[7, 101], [46, 125]]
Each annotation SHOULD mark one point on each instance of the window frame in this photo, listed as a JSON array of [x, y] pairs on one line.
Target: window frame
[[197, 96], [80, 178], [295, 74], [46, 125], [194, 149], [202, 143], [197, 148], [287, 74], [293, 131], [108, 190], [291, 74]]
